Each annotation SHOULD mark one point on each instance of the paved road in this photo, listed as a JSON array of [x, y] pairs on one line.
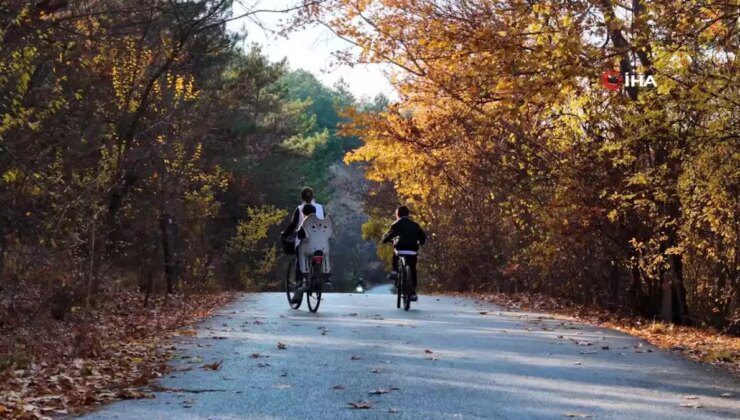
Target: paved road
[[446, 358]]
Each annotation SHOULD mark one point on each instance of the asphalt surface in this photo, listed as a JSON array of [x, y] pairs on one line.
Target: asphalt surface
[[446, 358]]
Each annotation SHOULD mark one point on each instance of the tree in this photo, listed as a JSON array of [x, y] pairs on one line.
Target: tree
[[582, 191]]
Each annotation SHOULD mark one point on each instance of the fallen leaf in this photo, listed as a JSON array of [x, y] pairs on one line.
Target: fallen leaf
[[428, 351], [212, 366], [361, 405], [483, 312], [338, 386], [376, 371], [691, 397], [281, 346], [381, 391], [355, 358], [573, 414]]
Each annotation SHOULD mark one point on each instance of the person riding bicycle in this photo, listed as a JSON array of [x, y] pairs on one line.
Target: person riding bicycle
[[313, 234], [307, 198], [406, 236]]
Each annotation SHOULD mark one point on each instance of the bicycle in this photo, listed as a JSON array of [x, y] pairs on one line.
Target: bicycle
[[403, 284], [310, 283]]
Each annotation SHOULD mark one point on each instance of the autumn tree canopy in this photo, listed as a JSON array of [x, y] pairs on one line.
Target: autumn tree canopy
[[531, 175]]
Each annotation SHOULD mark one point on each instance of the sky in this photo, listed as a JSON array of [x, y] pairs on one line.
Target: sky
[[309, 49]]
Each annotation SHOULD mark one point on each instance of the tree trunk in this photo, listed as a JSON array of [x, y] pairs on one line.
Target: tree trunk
[[666, 307], [680, 307], [169, 232]]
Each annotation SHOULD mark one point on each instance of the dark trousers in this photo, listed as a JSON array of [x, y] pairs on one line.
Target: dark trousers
[[411, 262]]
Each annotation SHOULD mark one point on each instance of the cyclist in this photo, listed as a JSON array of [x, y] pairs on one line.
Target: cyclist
[[406, 236], [314, 235], [312, 238], [307, 198]]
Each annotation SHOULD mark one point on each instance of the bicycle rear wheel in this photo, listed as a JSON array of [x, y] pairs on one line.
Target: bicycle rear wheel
[[291, 285], [313, 295], [407, 288], [399, 289]]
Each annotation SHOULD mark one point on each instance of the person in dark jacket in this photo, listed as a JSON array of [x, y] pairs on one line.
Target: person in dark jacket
[[406, 236]]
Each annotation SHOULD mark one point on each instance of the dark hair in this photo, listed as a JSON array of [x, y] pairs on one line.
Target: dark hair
[[402, 211], [308, 209], [306, 194]]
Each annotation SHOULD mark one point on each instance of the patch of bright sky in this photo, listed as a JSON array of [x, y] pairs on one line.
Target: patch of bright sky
[[310, 49]]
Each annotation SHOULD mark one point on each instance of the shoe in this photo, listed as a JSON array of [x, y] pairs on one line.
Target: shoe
[[413, 297]]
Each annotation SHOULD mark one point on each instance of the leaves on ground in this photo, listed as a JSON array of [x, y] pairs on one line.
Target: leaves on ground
[[281, 346], [338, 386], [98, 355], [355, 358]]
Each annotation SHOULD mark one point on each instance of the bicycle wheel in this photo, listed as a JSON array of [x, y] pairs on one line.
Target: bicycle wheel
[[290, 285], [399, 289], [313, 295], [407, 288]]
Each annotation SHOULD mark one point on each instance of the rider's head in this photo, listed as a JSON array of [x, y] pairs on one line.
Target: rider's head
[[402, 211], [307, 194], [308, 209]]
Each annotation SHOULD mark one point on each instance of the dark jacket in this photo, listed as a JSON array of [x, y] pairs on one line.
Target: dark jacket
[[406, 235]]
